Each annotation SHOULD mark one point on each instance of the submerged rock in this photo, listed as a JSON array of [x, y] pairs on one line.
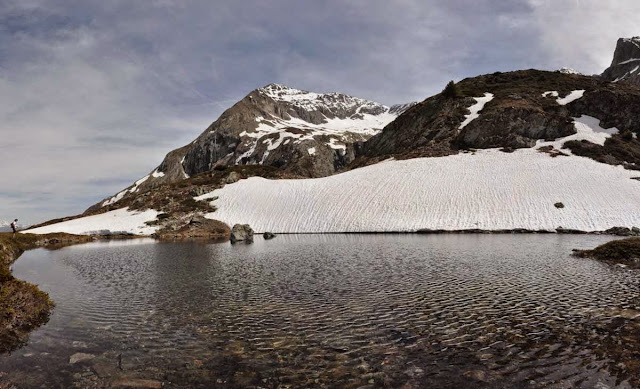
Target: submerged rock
[[268, 235], [79, 357], [241, 232]]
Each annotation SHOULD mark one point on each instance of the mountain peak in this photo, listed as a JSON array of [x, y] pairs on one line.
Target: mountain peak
[[626, 62]]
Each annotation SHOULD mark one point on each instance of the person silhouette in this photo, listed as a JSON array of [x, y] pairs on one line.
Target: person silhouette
[[14, 226]]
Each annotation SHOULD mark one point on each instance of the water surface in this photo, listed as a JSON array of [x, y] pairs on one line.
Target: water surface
[[326, 311]]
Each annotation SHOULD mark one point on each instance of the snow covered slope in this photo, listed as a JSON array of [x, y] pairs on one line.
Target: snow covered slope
[[113, 222], [486, 190]]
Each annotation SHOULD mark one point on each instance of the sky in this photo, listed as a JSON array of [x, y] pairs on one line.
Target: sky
[[94, 93]]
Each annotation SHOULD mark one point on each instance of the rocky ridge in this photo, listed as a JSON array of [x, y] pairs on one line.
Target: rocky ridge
[[525, 109], [625, 66]]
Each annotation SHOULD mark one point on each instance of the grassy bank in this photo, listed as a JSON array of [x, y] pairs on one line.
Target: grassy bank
[[625, 251], [23, 306]]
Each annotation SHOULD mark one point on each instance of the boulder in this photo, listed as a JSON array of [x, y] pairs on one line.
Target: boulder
[[268, 235], [241, 232], [232, 177], [620, 231], [635, 230]]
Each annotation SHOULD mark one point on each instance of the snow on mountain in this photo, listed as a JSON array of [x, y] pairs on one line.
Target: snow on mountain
[[568, 71], [112, 222], [626, 62], [276, 126], [486, 190], [474, 110]]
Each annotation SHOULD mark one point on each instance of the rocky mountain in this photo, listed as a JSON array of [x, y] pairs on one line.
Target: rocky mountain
[[303, 133], [518, 110], [626, 62], [524, 150]]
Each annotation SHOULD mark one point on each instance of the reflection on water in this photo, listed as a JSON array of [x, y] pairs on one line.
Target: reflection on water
[[324, 310]]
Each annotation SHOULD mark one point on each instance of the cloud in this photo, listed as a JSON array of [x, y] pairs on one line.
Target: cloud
[[582, 33], [95, 93]]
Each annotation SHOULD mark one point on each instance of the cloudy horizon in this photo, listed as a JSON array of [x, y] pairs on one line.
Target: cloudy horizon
[[94, 94]]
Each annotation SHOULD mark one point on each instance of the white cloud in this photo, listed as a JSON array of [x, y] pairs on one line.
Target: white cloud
[[582, 34]]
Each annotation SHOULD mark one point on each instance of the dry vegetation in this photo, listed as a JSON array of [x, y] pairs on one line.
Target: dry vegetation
[[625, 251]]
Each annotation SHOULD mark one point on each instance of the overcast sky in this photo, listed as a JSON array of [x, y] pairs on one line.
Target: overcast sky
[[93, 93]]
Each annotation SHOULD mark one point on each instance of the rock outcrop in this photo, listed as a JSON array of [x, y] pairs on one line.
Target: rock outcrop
[[625, 66], [241, 232], [522, 108]]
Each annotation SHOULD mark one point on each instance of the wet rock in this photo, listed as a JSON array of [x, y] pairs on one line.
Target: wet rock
[[78, 344], [268, 235], [478, 375], [241, 232], [124, 382], [620, 231], [80, 357]]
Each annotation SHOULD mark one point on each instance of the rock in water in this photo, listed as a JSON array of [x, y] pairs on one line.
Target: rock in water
[[268, 235], [241, 232], [79, 357]]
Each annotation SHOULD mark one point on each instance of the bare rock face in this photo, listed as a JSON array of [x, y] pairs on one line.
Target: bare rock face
[[241, 232], [525, 107], [625, 66], [302, 133]]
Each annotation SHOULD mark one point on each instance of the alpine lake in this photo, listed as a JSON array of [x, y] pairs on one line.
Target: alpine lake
[[334, 311]]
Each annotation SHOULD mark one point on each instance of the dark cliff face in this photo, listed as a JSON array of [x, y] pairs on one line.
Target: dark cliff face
[[526, 107], [625, 66]]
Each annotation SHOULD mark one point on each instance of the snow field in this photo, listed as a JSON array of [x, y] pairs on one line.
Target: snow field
[[489, 190], [117, 221]]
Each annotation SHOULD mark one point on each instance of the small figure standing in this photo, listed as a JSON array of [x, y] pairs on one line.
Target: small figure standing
[[14, 226]]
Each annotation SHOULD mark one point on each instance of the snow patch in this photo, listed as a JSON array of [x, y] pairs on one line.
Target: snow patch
[[488, 190], [311, 151], [117, 221], [157, 174], [474, 110], [573, 96], [332, 143], [629, 60], [587, 128]]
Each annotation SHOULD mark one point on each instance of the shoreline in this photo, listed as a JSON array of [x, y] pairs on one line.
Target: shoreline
[[23, 306]]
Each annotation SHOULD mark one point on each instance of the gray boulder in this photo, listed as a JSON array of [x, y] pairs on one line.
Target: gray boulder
[[268, 235], [241, 232]]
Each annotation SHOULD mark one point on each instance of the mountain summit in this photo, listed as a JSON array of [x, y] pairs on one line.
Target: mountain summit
[[306, 134], [626, 62]]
